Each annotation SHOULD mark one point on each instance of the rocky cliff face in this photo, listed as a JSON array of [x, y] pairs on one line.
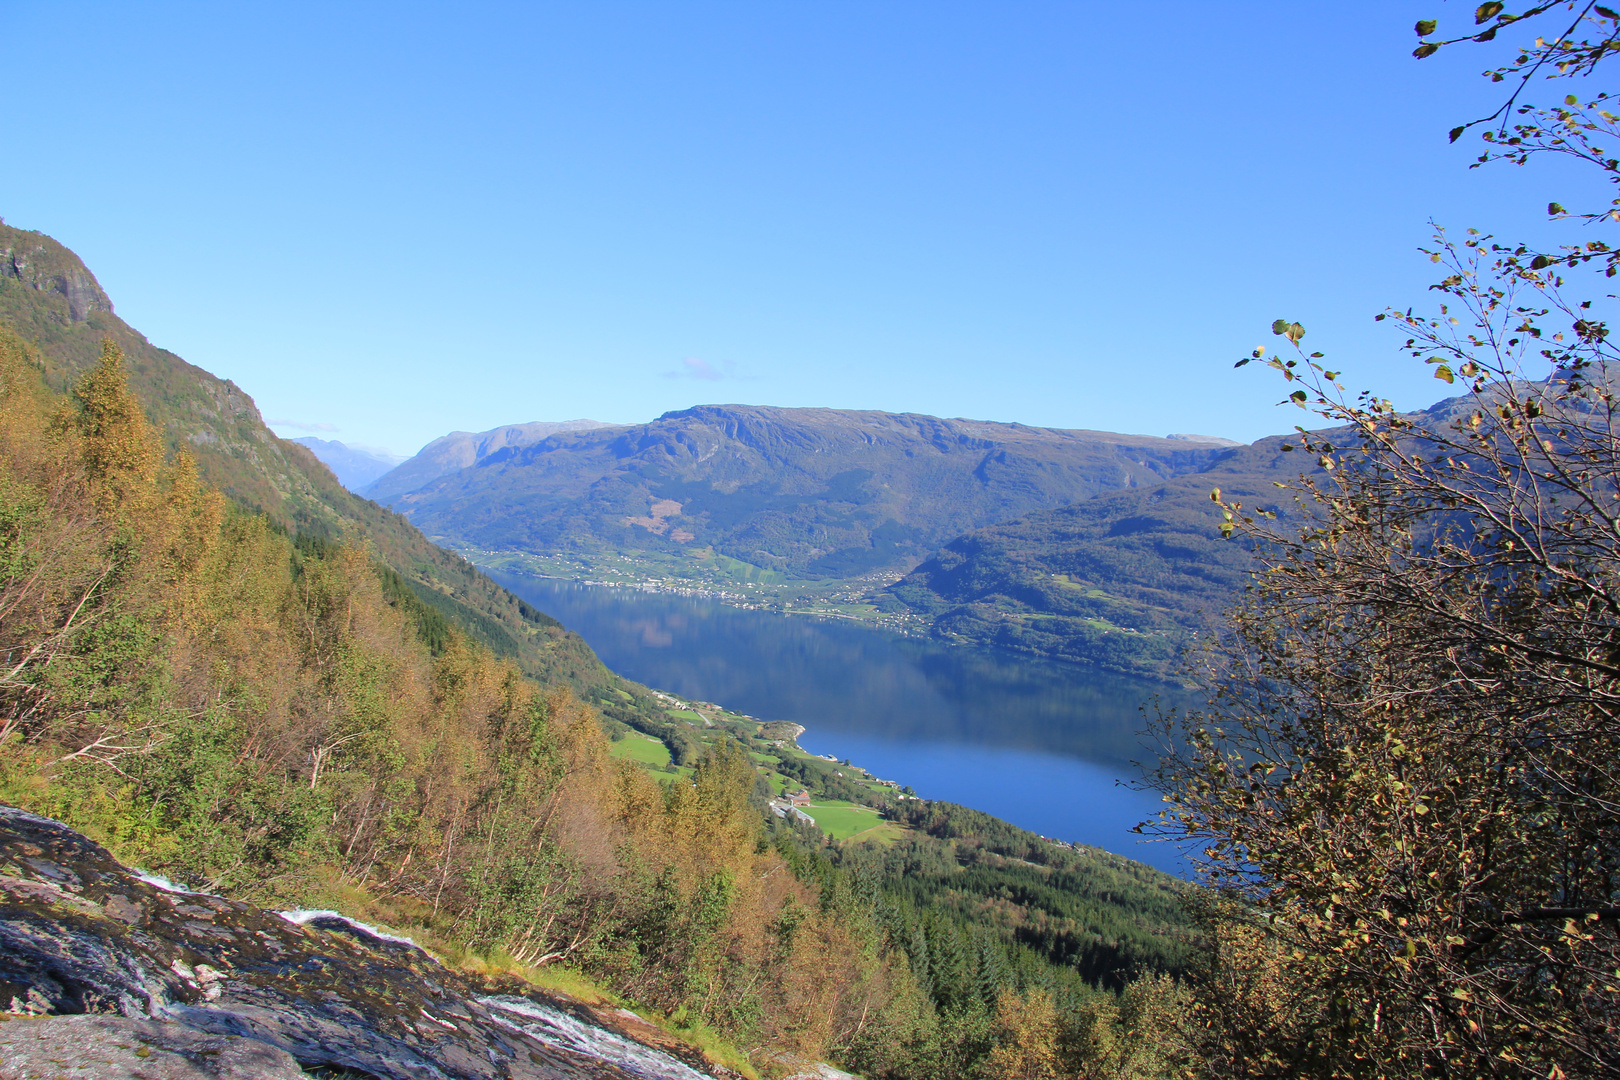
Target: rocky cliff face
[[189, 985], [40, 263]]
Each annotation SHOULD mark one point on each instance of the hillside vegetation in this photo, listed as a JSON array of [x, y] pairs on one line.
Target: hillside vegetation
[[55, 306]]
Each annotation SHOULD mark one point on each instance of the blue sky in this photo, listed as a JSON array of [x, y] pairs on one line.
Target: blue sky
[[386, 222]]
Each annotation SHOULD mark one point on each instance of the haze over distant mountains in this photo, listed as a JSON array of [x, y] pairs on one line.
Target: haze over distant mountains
[[354, 466], [813, 492]]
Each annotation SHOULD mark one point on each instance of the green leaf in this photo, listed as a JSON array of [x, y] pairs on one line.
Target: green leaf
[[1553, 209], [1243, 361], [1488, 11], [1215, 495], [1423, 51], [1456, 132], [1607, 13], [1443, 373], [1280, 326], [1486, 35], [1298, 398], [1425, 27]]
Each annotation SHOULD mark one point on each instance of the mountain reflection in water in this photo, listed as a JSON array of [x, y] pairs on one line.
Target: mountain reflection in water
[[1039, 743]]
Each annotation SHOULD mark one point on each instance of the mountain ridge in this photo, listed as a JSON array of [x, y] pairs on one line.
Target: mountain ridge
[[814, 492], [463, 449]]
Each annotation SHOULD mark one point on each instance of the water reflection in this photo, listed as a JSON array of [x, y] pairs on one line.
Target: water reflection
[[1038, 743]]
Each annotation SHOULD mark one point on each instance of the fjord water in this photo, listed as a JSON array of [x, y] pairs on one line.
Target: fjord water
[[1044, 745]]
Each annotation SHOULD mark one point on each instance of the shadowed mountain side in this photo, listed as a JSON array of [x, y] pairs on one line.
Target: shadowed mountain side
[[461, 450], [52, 302], [1122, 580], [814, 492]]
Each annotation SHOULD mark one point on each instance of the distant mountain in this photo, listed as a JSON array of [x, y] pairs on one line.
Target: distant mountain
[[354, 466], [813, 492], [463, 449]]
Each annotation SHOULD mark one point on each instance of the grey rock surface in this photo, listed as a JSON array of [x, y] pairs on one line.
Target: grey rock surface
[[115, 1048], [79, 933]]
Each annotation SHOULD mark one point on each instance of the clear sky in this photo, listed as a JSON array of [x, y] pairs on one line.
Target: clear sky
[[389, 221]]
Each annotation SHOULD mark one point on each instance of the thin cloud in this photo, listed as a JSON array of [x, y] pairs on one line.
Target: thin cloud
[[299, 425], [695, 368]]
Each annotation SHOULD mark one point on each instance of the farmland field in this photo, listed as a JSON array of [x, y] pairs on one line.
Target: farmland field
[[841, 819], [638, 747]]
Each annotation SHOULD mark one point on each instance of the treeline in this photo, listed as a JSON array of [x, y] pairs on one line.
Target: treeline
[[281, 717], [1106, 918], [991, 1007]]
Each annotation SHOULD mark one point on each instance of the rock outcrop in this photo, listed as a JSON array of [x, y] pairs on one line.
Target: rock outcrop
[[102, 1047], [203, 983], [42, 264]]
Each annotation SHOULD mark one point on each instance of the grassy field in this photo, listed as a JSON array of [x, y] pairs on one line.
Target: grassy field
[[842, 819], [638, 747], [687, 714], [883, 834]]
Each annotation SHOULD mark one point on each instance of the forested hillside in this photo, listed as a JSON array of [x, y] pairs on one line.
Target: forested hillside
[[53, 302]]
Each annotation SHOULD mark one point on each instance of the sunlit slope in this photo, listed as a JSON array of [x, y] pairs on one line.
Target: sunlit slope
[[52, 300], [814, 492]]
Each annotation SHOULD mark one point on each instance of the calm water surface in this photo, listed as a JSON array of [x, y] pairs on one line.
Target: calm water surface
[[1041, 744]]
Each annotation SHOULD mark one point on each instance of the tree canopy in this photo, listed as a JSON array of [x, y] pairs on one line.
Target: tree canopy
[[1404, 789]]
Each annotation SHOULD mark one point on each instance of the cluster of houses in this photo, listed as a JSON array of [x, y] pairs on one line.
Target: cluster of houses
[[790, 807]]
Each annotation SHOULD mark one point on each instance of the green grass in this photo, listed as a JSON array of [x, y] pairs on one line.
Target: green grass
[[840, 820], [641, 748], [686, 714], [882, 834]]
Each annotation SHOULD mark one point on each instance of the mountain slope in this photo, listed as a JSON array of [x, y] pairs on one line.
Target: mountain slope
[[1121, 580], [461, 450], [354, 467], [813, 492], [51, 300]]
